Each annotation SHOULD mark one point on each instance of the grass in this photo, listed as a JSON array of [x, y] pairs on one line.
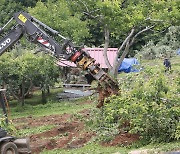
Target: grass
[[89, 149], [48, 109], [35, 130], [96, 148], [165, 147], [37, 99], [34, 107]]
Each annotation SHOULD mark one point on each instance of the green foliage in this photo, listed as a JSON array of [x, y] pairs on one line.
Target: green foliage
[[58, 16], [8, 8], [121, 16], [151, 51], [28, 3], [100, 123], [26, 70], [36, 130], [46, 72], [166, 47], [172, 37], [148, 106], [8, 127]]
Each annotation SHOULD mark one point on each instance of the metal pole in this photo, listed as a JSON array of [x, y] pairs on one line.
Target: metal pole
[[8, 22], [2, 29], [48, 28]]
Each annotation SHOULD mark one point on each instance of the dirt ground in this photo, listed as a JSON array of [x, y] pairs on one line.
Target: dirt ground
[[68, 133]]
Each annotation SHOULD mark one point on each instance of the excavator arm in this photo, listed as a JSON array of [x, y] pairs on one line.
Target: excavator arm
[[10, 39], [32, 28]]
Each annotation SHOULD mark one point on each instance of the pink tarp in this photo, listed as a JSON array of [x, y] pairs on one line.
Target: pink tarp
[[97, 54]]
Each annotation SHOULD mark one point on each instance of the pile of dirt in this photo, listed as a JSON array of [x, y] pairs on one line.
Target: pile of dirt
[[122, 139], [66, 133]]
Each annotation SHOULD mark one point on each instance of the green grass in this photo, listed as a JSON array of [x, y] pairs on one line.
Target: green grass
[[96, 148], [34, 107], [49, 108], [89, 149], [35, 130], [37, 99], [165, 147]]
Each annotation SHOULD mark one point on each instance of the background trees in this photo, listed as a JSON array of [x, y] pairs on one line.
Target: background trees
[[123, 21], [58, 16], [8, 7]]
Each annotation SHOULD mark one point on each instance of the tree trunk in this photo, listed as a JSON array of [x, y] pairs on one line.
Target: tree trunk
[[48, 90], [117, 62], [22, 92], [44, 100], [106, 44], [128, 42]]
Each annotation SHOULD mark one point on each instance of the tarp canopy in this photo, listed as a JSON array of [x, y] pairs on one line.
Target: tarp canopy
[[128, 65], [178, 52]]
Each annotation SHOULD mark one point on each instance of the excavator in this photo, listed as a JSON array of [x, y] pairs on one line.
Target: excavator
[[43, 35]]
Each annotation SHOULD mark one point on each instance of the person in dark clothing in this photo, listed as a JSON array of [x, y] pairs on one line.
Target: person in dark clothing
[[167, 64]]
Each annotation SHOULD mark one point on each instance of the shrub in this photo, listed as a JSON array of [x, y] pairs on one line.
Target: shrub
[[148, 106], [11, 130]]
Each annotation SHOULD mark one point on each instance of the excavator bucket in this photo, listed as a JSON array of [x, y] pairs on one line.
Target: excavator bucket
[[23, 145]]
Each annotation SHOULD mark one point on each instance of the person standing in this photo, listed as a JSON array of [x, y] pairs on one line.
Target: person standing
[[167, 64]]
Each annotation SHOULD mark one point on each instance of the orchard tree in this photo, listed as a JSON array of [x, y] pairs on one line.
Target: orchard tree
[[28, 66], [20, 73], [46, 75], [10, 74], [17, 73], [125, 20]]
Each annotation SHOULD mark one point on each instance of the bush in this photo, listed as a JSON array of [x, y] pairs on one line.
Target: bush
[[148, 106], [10, 128]]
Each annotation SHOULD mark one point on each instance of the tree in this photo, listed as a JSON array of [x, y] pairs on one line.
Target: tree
[[9, 73], [8, 8], [124, 20], [46, 74], [20, 73], [58, 16], [172, 37]]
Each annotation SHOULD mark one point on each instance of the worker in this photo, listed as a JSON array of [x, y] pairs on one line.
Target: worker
[[167, 64]]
